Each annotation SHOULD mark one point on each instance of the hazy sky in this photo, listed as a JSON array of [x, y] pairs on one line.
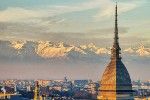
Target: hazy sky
[[78, 21]]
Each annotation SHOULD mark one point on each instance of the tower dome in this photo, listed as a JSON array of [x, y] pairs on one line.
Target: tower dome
[[115, 83]]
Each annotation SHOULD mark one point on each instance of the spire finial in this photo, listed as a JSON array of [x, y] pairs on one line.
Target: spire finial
[[116, 48]]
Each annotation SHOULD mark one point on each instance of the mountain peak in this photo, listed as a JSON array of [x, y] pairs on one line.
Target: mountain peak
[[17, 44]]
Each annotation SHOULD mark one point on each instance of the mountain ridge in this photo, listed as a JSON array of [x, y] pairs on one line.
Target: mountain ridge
[[48, 49]]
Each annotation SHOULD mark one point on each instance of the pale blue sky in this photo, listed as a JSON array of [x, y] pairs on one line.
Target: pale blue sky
[[76, 20]]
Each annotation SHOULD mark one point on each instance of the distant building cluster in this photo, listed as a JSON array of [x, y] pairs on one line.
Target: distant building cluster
[[142, 89], [62, 89], [49, 89]]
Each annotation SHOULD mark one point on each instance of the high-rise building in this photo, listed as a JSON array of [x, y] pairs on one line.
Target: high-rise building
[[115, 83]]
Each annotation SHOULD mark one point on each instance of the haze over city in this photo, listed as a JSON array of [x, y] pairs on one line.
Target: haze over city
[[80, 35]]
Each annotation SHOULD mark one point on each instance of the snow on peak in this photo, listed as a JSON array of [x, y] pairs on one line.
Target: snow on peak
[[17, 44], [142, 51], [102, 51], [129, 50], [48, 50], [92, 46]]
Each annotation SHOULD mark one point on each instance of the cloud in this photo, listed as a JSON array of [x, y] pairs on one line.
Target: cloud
[[108, 31], [17, 14], [47, 22], [21, 14], [25, 31], [107, 9]]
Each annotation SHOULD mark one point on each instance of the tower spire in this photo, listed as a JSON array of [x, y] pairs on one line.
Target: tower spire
[[116, 82], [36, 91], [115, 51]]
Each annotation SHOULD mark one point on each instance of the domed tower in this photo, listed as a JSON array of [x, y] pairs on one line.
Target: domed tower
[[115, 83]]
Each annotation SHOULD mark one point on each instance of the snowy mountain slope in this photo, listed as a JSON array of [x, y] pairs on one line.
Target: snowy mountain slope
[[50, 50]]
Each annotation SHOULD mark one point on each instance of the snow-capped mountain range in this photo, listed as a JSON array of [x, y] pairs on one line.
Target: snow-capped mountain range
[[45, 59], [47, 49]]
